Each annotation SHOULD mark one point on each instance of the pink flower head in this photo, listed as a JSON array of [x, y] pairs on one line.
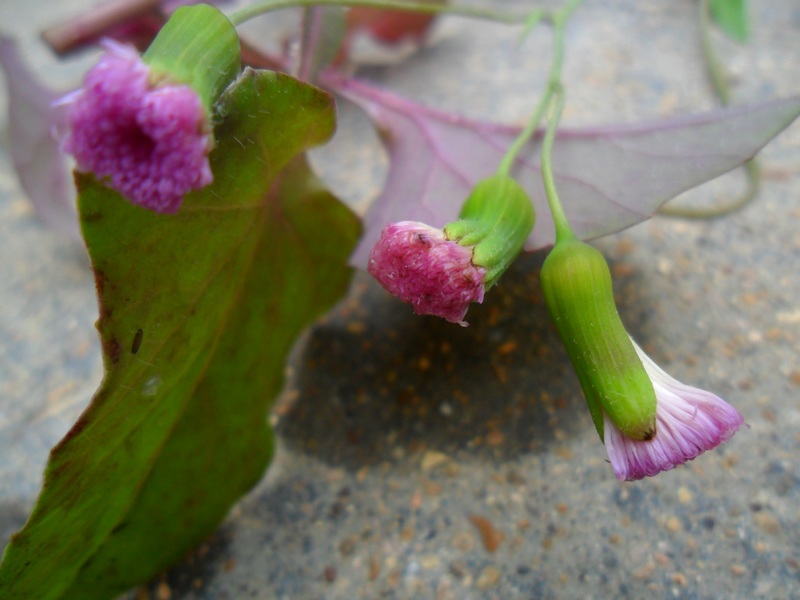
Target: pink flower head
[[689, 421], [419, 265], [149, 142]]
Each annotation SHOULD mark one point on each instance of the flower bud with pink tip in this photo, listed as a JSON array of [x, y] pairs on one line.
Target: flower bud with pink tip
[[419, 265], [442, 271]]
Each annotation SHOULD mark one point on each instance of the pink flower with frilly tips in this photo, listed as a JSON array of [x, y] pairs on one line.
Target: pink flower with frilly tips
[[419, 265], [689, 421], [148, 141]]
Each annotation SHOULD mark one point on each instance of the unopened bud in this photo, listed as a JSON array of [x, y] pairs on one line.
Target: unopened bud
[[579, 295], [495, 220], [441, 272]]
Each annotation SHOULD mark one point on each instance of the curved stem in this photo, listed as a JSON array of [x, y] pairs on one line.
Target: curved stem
[[716, 72], [563, 229], [719, 81], [753, 171], [265, 6], [559, 20]]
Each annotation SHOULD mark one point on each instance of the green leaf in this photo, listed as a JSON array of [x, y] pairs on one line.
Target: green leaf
[[731, 16], [197, 314]]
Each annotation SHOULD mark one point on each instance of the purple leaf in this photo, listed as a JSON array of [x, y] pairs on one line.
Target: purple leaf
[[609, 178], [42, 169]]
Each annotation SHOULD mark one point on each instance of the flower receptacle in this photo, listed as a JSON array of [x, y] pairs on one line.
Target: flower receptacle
[[578, 291], [495, 219]]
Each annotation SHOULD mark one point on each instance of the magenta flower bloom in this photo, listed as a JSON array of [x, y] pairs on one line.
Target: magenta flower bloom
[[419, 265], [689, 421], [146, 138]]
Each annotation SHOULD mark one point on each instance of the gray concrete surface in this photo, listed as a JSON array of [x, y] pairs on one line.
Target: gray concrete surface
[[418, 459]]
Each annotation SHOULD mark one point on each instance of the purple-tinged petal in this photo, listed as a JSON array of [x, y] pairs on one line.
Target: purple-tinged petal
[[42, 169], [689, 421], [149, 143], [416, 263]]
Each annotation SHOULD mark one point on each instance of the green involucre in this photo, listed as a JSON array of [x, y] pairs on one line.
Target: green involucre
[[578, 291], [496, 219], [198, 47]]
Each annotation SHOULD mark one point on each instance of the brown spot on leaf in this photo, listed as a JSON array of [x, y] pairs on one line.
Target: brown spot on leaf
[[137, 341], [100, 281], [112, 349]]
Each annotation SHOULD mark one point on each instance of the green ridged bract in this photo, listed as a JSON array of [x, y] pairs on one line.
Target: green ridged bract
[[579, 295], [496, 219], [198, 47]]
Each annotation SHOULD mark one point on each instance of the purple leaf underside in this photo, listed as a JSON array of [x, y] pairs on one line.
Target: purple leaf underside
[[609, 178]]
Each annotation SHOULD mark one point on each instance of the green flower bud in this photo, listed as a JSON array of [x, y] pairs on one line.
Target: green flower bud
[[198, 47], [495, 220], [578, 291]]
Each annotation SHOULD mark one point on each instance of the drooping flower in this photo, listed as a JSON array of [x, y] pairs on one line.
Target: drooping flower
[[648, 421], [419, 265], [442, 271], [147, 139], [689, 421]]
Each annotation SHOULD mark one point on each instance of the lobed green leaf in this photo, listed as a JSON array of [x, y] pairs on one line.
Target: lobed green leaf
[[197, 314]]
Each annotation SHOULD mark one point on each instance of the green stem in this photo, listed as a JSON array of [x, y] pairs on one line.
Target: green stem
[[753, 172], [563, 229], [719, 81], [559, 20], [265, 6], [716, 72], [553, 99]]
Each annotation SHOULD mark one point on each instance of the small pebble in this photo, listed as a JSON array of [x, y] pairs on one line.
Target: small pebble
[[432, 459], [491, 537], [488, 578], [673, 524], [495, 437], [163, 591], [738, 570], [644, 572], [374, 568], [767, 523], [679, 579]]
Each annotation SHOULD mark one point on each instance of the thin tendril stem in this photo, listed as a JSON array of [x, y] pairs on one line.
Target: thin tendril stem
[[265, 6], [563, 229], [719, 81], [559, 20]]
